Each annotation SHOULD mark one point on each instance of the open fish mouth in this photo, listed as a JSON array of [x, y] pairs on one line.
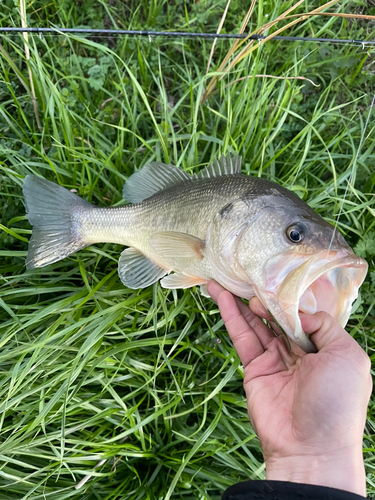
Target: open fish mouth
[[328, 281]]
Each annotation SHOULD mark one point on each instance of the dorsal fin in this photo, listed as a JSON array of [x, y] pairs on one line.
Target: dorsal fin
[[152, 178], [225, 165]]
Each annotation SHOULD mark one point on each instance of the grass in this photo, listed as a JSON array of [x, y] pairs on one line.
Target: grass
[[111, 393]]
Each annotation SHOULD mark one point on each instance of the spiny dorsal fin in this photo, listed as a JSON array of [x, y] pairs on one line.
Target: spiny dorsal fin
[[225, 165], [152, 178]]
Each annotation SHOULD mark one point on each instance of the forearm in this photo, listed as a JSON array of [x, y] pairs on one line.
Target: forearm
[[343, 471]]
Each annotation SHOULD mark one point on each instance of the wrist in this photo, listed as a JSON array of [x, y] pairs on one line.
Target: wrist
[[341, 470]]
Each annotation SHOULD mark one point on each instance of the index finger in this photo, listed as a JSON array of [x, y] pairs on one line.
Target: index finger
[[244, 338]]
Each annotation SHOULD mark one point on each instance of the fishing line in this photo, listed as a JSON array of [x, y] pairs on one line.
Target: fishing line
[[343, 199], [351, 174], [182, 34], [225, 36]]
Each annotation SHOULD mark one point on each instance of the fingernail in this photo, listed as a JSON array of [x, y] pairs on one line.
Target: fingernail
[[257, 307]]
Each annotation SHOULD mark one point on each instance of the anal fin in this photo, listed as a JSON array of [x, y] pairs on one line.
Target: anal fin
[[138, 271]]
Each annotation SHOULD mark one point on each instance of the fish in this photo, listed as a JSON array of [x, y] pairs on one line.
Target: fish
[[251, 235]]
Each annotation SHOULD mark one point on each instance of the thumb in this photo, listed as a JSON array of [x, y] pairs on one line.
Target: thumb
[[330, 337], [326, 332]]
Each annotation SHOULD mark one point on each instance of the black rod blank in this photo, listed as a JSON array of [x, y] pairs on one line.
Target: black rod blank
[[185, 34]]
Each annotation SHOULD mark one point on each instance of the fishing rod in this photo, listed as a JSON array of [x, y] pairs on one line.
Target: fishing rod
[[182, 34]]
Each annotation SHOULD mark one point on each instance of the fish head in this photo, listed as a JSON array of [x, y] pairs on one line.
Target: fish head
[[297, 262]]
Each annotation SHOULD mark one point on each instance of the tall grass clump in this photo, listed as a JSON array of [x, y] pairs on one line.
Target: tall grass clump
[[112, 393]]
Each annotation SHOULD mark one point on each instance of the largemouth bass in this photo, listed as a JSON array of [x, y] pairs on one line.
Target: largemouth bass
[[251, 235]]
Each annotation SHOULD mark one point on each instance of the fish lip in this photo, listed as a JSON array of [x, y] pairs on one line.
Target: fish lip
[[297, 281], [315, 269]]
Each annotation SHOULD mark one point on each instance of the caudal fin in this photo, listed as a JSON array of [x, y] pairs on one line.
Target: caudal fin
[[55, 214]]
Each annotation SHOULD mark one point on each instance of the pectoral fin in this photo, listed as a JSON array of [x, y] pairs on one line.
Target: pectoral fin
[[137, 271], [176, 247]]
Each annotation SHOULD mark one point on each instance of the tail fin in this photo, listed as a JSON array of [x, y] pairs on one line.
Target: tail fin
[[54, 213]]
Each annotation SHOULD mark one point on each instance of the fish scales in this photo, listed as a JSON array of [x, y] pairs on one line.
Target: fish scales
[[250, 234], [187, 207]]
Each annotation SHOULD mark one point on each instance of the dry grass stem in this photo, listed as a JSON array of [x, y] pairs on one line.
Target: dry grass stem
[[273, 76], [238, 43], [303, 17], [218, 31], [226, 65], [337, 14], [230, 52], [27, 55]]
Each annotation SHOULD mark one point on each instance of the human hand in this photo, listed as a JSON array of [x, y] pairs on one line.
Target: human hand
[[308, 410]]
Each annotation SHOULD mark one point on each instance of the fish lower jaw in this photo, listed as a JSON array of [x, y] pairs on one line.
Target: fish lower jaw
[[286, 316], [289, 321], [318, 285], [303, 341], [298, 335]]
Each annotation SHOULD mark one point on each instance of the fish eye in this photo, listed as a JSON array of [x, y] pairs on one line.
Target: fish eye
[[296, 232]]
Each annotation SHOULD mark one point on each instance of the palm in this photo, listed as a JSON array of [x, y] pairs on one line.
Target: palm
[[283, 403]]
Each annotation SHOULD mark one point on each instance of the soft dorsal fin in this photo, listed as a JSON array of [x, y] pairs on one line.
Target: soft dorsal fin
[[152, 178], [225, 165]]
